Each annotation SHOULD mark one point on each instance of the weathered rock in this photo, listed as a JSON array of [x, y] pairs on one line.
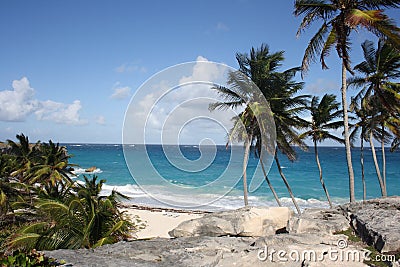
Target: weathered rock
[[91, 169], [250, 221], [377, 222], [309, 243], [298, 250], [318, 221]]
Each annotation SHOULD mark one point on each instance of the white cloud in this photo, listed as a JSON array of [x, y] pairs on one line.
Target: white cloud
[[101, 120], [204, 72], [169, 107], [18, 104], [121, 92], [222, 27], [60, 112]]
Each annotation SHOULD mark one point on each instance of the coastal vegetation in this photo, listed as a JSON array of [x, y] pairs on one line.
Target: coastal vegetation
[[43, 208]]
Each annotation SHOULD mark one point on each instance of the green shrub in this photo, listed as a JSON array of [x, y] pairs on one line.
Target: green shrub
[[30, 259]]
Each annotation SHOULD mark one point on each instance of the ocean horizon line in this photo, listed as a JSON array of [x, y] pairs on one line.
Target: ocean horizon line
[[194, 145]]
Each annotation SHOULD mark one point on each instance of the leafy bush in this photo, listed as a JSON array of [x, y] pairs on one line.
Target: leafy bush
[[31, 259], [42, 208], [84, 219]]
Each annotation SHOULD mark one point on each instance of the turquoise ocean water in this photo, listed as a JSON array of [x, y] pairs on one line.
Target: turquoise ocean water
[[302, 175]]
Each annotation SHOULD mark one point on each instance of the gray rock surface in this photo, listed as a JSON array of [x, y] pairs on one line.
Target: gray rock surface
[[318, 221], [377, 222], [309, 242], [216, 251], [251, 221]]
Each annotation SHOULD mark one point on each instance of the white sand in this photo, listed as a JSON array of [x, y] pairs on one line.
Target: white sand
[[159, 222]]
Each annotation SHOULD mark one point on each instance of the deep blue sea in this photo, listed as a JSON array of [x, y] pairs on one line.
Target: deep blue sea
[[209, 178]]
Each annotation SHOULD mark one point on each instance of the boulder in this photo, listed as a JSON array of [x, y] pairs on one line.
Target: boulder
[[318, 220], [377, 222], [248, 221], [91, 169]]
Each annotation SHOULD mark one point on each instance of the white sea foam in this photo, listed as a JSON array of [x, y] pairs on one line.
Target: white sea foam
[[79, 171], [161, 198], [132, 191]]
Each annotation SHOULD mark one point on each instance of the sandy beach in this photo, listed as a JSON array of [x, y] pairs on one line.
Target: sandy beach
[[159, 221]]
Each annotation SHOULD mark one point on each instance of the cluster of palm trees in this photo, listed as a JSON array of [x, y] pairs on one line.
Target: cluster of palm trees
[[341, 18], [376, 106], [42, 208]]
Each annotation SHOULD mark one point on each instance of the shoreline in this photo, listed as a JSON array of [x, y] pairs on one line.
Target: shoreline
[[156, 222], [126, 205]]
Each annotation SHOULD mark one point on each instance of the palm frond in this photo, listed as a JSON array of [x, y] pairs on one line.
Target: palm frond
[[314, 46], [325, 51]]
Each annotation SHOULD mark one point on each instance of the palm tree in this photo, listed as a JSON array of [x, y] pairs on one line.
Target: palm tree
[[360, 129], [24, 153], [323, 114], [278, 88], [377, 75], [376, 132], [286, 108], [246, 127], [339, 19], [370, 121], [51, 170]]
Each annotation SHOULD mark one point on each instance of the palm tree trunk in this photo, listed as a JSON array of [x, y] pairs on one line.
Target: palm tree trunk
[[346, 134], [320, 174], [383, 156], [362, 167], [269, 183], [378, 171], [245, 161], [286, 183]]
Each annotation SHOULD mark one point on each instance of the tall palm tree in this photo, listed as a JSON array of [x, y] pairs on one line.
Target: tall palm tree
[[360, 129], [279, 90], [339, 19], [323, 116], [376, 132], [286, 108], [377, 76], [246, 127], [369, 121]]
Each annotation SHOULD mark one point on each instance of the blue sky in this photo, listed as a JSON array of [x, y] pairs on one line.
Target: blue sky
[[69, 68]]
